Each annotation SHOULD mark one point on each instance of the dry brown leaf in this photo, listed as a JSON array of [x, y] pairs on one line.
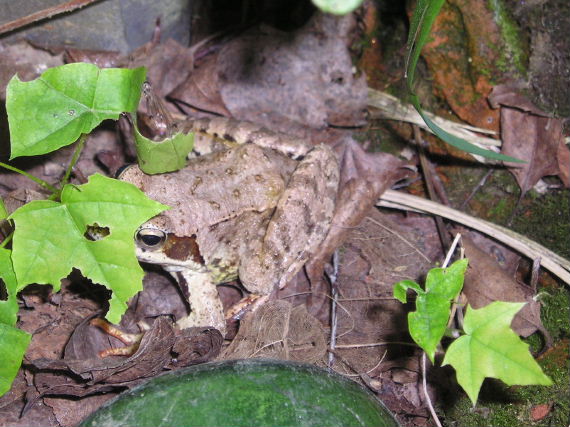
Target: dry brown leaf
[[279, 330], [363, 178], [486, 281], [201, 91], [306, 76], [530, 135], [83, 377]]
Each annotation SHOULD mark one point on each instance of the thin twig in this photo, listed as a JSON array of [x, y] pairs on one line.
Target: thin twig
[[451, 250], [534, 273], [334, 318], [392, 108], [375, 344], [556, 264], [424, 385], [44, 14], [480, 184], [429, 182], [365, 374], [444, 265]]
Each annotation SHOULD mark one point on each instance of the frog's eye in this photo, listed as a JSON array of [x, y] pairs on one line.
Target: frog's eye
[[150, 238]]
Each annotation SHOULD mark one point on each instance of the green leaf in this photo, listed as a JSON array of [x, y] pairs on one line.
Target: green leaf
[[422, 20], [64, 102], [13, 342], [457, 142], [400, 289], [50, 238], [427, 324], [13, 345], [337, 7], [491, 349], [8, 307], [168, 155]]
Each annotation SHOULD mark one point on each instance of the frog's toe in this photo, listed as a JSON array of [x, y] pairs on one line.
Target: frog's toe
[[132, 341]]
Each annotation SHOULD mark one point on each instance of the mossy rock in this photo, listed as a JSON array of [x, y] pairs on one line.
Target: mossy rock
[[252, 392]]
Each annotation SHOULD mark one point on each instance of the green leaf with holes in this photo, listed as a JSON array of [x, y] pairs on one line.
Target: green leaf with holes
[[65, 102], [50, 238], [433, 305], [491, 349]]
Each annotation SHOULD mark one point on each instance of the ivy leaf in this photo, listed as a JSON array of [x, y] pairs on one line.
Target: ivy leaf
[[50, 238], [8, 307], [13, 341], [491, 349], [64, 102], [168, 155], [13, 345], [433, 305], [423, 17]]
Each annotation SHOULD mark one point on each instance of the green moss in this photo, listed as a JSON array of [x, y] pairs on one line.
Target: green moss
[[545, 219], [515, 52]]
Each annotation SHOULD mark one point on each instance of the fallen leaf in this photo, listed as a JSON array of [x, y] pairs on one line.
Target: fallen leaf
[[86, 376], [539, 412], [281, 331], [530, 135], [486, 282]]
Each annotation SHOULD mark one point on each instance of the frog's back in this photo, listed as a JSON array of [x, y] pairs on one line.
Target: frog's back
[[218, 187]]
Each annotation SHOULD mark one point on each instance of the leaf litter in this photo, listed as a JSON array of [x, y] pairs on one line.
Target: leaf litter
[[375, 251]]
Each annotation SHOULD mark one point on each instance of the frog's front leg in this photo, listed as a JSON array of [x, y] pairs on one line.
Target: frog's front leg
[[299, 224], [202, 295]]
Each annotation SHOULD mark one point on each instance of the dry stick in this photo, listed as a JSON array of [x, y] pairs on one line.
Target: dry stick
[[334, 318], [557, 265], [44, 14], [456, 300], [390, 107], [424, 385], [376, 344], [429, 181], [480, 184]]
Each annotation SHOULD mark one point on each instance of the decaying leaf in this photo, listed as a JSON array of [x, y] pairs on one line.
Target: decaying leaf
[[364, 177], [531, 135], [85, 376], [486, 282], [281, 331]]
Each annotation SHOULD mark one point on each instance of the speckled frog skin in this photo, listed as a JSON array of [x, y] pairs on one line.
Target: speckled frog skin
[[248, 211]]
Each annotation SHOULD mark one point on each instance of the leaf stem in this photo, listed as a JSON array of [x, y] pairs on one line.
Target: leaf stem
[[6, 240], [74, 159], [38, 181]]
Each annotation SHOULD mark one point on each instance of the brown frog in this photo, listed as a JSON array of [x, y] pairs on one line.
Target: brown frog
[[248, 212]]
